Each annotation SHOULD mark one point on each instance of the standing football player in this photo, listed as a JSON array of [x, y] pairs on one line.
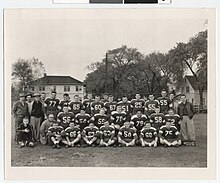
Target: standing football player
[[157, 119], [64, 102], [72, 135], [137, 104], [82, 119], [87, 103], [169, 135], [148, 136], [105, 98], [55, 133], [150, 105], [126, 106], [89, 135], [100, 118], [173, 118], [107, 137], [96, 105], [51, 104], [76, 105], [127, 135], [110, 105], [65, 117], [164, 102]]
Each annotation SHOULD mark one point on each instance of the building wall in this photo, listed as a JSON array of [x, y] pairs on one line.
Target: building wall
[[73, 90]]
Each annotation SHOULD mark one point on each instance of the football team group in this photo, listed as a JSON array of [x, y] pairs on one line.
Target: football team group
[[103, 122]]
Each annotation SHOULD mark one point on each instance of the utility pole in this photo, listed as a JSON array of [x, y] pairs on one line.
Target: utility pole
[[106, 72]]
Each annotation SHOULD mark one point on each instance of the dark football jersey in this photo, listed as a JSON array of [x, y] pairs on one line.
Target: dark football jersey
[[157, 120], [174, 120], [104, 100], [87, 105], [99, 119], [148, 134], [51, 104], [118, 118], [64, 103], [164, 104], [150, 106], [82, 120], [127, 133], [139, 122], [110, 106], [96, 106], [65, 118], [107, 132], [76, 107], [58, 130], [90, 132], [72, 133], [137, 105], [126, 106], [169, 133]]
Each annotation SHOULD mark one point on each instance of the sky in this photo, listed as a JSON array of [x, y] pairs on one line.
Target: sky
[[67, 42]]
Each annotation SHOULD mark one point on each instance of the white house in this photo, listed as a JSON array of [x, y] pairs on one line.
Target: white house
[[190, 88], [60, 84]]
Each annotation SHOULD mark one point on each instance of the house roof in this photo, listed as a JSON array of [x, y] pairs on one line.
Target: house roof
[[193, 82], [56, 80]]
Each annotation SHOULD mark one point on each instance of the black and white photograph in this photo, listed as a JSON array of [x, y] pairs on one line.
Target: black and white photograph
[[89, 88]]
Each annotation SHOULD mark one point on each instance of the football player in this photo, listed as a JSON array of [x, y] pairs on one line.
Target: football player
[[107, 137], [148, 136], [126, 106], [169, 135], [110, 105], [76, 105], [64, 102], [138, 121], [96, 105], [137, 104], [157, 119], [65, 117], [87, 103], [150, 105], [82, 119], [105, 98], [127, 135], [55, 133], [72, 135], [89, 135], [24, 133], [100, 118], [173, 118], [51, 105], [164, 102]]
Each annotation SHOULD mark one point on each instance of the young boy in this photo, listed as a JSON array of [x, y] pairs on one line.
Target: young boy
[[169, 135], [107, 135], [89, 135], [25, 133], [127, 135], [72, 135], [148, 136], [55, 133]]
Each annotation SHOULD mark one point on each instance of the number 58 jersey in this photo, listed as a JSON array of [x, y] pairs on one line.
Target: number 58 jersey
[[157, 120]]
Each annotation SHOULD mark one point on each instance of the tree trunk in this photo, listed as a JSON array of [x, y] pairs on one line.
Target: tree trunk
[[201, 98]]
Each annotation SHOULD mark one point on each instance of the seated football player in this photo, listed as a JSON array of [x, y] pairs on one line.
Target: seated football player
[[65, 117], [127, 135], [169, 135], [55, 133], [89, 135], [148, 136], [173, 118], [72, 136], [107, 137], [24, 133], [82, 119], [138, 121]]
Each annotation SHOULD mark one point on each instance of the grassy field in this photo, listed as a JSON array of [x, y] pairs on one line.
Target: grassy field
[[117, 157]]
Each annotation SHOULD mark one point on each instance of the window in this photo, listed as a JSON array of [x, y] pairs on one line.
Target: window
[[78, 88], [66, 88], [54, 88], [32, 88], [41, 88], [187, 89]]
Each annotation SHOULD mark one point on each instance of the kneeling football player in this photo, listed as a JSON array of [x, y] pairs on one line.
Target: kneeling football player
[[127, 135], [55, 133], [107, 137], [72, 135], [169, 135], [148, 136], [89, 135]]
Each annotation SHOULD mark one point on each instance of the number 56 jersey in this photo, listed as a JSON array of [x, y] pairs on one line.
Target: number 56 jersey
[[65, 118]]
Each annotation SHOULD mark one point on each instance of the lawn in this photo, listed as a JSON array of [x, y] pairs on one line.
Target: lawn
[[117, 157]]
